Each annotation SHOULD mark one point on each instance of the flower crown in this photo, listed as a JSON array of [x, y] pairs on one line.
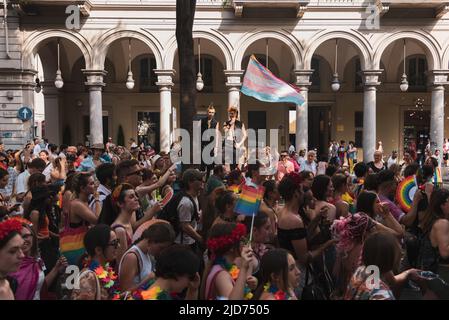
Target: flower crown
[[8, 226], [23, 221], [217, 243]]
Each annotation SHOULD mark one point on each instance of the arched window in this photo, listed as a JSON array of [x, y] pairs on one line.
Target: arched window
[[417, 67], [147, 76]]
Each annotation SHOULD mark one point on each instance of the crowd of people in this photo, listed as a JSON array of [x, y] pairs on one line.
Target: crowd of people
[[139, 227]]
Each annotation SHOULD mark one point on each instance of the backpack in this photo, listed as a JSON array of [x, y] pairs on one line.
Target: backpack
[[170, 211]]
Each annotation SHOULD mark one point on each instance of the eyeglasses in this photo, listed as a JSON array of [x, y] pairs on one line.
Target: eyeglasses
[[114, 243], [138, 172]]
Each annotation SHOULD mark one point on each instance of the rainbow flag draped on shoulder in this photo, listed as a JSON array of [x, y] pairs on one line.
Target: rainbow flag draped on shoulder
[[249, 201], [263, 85], [437, 178]]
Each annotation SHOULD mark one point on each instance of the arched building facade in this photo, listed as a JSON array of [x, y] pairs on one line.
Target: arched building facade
[[302, 41]]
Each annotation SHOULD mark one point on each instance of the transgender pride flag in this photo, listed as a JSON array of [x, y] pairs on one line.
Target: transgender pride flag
[[263, 85]]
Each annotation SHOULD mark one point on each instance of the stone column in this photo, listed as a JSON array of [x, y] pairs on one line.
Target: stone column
[[165, 85], [28, 84], [369, 113], [95, 84], [233, 84], [302, 119], [437, 80], [53, 124]]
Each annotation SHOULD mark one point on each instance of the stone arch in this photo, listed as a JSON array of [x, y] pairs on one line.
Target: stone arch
[[431, 47], [102, 46], [445, 58], [360, 43], [222, 43], [287, 39], [34, 39]]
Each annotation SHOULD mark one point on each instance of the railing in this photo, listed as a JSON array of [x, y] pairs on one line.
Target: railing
[[160, 2], [341, 2]]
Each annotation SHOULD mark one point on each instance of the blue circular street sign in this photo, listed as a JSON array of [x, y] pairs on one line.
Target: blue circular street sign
[[24, 114]]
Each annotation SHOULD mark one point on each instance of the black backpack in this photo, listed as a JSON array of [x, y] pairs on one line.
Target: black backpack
[[170, 211]]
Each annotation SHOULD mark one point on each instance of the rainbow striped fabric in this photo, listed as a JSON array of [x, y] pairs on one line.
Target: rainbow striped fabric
[[249, 200], [437, 177], [263, 85], [71, 243], [234, 188]]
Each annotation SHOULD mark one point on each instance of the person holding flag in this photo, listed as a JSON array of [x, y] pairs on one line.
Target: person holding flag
[[234, 139]]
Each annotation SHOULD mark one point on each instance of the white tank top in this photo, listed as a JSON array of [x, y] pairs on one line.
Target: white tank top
[[145, 264]]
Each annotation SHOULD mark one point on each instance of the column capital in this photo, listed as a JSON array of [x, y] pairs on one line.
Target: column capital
[[165, 78], [234, 79], [371, 77], [94, 77], [303, 77], [437, 78], [14, 78]]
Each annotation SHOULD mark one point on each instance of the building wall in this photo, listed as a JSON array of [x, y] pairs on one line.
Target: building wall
[[229, 39]]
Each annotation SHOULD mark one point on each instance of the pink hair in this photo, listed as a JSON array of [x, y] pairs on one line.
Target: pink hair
[[350, 231]]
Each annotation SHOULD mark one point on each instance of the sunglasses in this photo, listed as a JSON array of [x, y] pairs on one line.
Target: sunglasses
[[114, 243], [138, 172]]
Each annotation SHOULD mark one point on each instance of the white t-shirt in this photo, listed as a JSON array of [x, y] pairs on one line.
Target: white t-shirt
[[321, 167], [391, 161], [22, 182], [40, 283], [185, 212], [47, 172], [36, 150], [309, 167]]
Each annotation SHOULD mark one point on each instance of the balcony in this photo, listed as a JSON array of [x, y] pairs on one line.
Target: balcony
[[35, 7], [415, 8], [285, 8]]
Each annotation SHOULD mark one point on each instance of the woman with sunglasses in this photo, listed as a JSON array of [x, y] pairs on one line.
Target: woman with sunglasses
[[98, 280], [31, 279], [125, 199]]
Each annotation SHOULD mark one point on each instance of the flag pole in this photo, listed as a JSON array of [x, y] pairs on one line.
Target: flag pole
[[251, 231]]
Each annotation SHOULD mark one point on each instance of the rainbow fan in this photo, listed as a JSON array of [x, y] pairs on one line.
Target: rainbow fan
[[405, 193]]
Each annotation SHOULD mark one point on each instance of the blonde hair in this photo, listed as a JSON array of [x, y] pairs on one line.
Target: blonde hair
[[233, 108], [211, 107]]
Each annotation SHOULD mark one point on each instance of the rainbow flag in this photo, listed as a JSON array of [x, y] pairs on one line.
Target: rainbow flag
[[263, 85], [249, 200], [234, 188], [437, 177]]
